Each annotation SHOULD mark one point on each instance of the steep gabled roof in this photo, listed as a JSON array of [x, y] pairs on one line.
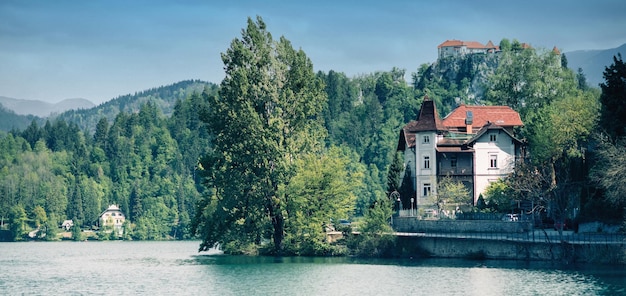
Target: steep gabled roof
[[427, 120], [500, 115], [487, 127]]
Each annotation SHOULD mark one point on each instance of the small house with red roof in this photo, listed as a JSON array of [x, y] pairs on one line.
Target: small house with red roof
[[475, 145]]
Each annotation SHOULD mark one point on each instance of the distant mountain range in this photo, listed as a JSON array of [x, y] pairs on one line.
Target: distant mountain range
[[593, 62], [18, 114], [43, 109]]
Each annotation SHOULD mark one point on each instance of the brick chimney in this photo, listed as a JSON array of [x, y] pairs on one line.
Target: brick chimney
[[469, 119]]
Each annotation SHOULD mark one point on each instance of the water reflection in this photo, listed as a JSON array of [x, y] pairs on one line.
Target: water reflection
[[164, 268], [352, 276]]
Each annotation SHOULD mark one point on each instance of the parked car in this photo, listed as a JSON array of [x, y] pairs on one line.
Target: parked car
[[558, 225], [511, 217]]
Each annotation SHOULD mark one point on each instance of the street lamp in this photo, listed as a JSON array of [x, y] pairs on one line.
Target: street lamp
[[395, 195], [412, 206]]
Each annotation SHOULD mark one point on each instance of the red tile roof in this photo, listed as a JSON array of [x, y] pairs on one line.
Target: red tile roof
[[468, 44], [500, 115], [484, 117]]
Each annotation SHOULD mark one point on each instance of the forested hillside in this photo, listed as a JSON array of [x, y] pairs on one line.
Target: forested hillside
[[164, 97], [11, 121], [143, 161]]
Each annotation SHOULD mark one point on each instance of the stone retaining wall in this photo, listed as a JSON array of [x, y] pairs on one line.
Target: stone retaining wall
[[442, 247]]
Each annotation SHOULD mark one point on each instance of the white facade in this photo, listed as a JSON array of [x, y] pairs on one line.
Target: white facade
[[426, 166], [494, 158]]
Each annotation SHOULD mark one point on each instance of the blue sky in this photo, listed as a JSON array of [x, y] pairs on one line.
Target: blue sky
[[98, 50]]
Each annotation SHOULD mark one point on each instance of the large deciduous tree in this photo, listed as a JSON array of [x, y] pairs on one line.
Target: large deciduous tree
[[323, 190], [265, 116]]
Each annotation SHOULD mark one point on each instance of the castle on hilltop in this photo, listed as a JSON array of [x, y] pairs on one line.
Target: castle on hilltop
[[457, 48]]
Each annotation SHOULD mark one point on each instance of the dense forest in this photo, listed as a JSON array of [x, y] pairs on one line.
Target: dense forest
[[161, 154]]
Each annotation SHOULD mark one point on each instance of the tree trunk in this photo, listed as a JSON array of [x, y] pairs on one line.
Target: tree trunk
[[279, 232]]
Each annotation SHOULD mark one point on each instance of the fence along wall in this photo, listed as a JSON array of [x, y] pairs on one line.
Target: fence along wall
[[412, 224]]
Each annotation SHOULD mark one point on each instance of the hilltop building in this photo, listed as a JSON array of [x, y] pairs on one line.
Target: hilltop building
[[456, 48], [475, 145]]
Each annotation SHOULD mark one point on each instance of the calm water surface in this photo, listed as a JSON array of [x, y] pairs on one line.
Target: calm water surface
[[175, 268]]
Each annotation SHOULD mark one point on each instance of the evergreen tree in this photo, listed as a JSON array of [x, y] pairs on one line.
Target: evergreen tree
[[395, 171], [613, 99], [77, 233]]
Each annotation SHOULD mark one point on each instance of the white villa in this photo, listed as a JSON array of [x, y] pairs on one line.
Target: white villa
[[112, 217], [473, 144]]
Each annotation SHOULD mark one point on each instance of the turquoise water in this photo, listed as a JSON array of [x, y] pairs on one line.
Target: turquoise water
[[175, 268]]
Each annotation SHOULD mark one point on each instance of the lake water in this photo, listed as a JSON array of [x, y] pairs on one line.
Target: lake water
[[176, 268]]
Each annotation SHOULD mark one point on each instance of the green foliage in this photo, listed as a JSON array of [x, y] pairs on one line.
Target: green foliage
[[11, 121], [505, 45], [17, 221], [451, 193], [264, 118], [50, 230], [609, 172], [40, 216], [77, 233], [499, 197], [321, 191], [377, 217], [394, 175], [562, 128], [559, 116], [527, 80], [165, 97], [613, 99], [70, 175], [375, 239]]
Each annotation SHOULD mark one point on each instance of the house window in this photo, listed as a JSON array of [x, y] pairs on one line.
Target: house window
[[453, 161], [425, 140], [426, 162], [493, 161], [492, 138], [426, 189]]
